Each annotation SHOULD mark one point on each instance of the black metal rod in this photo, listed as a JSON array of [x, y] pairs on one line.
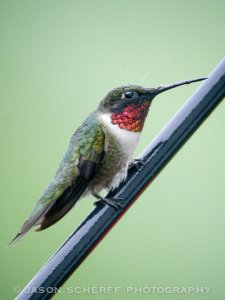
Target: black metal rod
[[159, 152]]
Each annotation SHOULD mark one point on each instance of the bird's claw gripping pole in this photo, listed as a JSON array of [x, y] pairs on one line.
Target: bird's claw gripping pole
[[98, 223]]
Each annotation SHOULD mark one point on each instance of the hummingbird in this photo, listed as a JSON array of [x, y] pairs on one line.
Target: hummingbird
[[99, 154]]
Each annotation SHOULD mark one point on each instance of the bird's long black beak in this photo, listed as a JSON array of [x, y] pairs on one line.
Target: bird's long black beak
[[164, 88]]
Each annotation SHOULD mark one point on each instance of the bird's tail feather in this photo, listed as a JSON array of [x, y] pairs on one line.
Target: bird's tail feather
[[49, 215]]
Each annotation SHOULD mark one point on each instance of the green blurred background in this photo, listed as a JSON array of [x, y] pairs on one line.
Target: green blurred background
[[58, 60]]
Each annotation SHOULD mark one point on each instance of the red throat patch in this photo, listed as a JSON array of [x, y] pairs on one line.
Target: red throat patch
[[132, 118]]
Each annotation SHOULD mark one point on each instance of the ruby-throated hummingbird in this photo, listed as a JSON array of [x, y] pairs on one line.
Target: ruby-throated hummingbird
[[99, 153]]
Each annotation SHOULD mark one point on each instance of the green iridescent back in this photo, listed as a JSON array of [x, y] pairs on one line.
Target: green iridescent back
[[88, 143]]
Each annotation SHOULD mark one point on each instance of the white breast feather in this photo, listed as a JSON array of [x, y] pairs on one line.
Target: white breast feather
[[127, 139]]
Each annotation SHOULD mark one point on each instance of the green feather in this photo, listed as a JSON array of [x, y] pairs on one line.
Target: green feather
[[88, 138], [86, 143]]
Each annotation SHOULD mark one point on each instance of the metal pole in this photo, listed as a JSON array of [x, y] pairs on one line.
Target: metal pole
[[98, 223]]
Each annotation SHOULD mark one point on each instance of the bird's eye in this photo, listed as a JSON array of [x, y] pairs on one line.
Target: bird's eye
[[129, 95]]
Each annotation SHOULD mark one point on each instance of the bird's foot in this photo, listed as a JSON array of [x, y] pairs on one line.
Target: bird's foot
[[137, 163], [113, 202]]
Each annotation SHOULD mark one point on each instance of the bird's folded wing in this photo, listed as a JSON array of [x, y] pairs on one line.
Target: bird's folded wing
[[85, 152]]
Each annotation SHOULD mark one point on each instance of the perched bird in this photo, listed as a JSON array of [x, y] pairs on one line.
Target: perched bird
[[98, 155]]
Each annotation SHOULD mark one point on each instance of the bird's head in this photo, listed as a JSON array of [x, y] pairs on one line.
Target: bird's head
[[128, 105]]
